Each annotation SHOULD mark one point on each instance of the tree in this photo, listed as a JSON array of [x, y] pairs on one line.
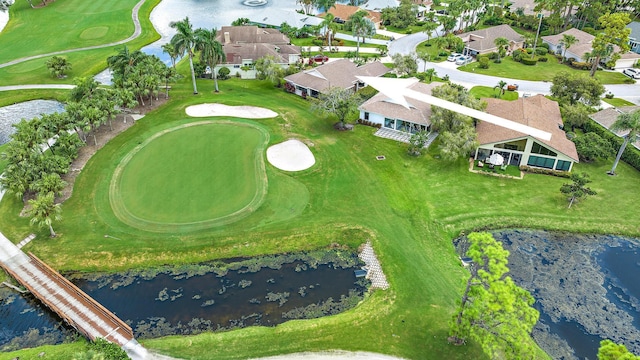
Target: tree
[[501, 85], [211, 51], [122, 63], [494, 311], [576, 189], [337, 101], [58, 66], [325, 4], [268, 68], [330, 26], [574, 116], [361, 27], [171, 51], [44, 211], [630, 122], [501, 43], [430, 73], [49, 183], [405, 64], [424, 56], [591, 146], [567, 42], [240, 22], [417, 143], [184, 41], [574, 88], [611, 351], [614, 32]]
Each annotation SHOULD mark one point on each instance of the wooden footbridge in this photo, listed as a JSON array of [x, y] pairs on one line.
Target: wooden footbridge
[[77, 308]]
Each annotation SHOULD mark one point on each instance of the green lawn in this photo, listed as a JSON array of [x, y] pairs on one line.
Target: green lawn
[[191, 177], [617, 102], [542, 71], [481, 92], [74, 24], [433, 51], [410, 208], [307, 42]]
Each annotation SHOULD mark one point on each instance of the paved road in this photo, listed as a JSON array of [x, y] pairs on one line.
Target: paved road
[[136, 32]]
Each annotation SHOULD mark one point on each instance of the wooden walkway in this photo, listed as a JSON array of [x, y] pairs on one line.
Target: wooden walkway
[[73, 305]]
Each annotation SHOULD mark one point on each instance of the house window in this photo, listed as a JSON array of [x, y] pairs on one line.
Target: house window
[[563, 165], [389, 123], [539, 149], [366, 115], [539, 161]]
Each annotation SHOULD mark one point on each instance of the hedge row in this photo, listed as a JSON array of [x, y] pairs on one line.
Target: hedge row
[[536, 170], [631, 155]]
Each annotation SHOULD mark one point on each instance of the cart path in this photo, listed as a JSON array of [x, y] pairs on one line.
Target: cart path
[[136, 33]]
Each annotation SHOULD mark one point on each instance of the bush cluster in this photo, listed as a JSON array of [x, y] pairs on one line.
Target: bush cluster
[[529, 61], [542, 51], [369, 123], [580, 65], [535, 170], [631, 155]]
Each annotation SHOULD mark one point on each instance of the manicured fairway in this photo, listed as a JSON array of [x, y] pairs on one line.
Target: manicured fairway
[[191, 176]]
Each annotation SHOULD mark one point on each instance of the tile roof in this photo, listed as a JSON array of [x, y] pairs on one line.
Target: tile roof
[[608, 116], [537, 112], [419, 112], [580, 48], [237, 52], [251, 34], [345, 11], [484, 40], [341, 73]]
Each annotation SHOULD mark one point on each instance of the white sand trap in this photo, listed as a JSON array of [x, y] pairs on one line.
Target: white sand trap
[[291, 155], [248, 112]]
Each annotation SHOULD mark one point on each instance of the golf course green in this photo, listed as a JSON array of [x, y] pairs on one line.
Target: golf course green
[[191, 176]]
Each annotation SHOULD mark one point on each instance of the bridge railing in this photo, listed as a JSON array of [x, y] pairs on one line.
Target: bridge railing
[[109, 317]]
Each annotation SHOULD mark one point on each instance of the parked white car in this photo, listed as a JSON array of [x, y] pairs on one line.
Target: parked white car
[[463, 60], [453, 56], [632, 73]]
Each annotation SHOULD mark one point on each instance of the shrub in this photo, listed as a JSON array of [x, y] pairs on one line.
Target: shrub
[[317, 42], [483, 62], [223, 73], [517, 55], [529, 51], [631, 155], [542, 51], [581, 65], [544, 46], [494, 55], [443, 53], [529, 61], [535, 170], [609, 95], [543, 59]]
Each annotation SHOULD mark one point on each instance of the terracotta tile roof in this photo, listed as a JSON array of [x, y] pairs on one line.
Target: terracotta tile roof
[[484, 40], [608, 116], [251, 34], [345, 11], [419, 112], [537, 112], [341, 73]]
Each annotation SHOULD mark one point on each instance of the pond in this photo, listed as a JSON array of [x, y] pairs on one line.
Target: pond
[[12, 114], [585, 287], [203, 297]]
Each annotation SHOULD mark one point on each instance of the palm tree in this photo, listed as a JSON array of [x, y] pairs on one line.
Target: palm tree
[[501, 43], [184, 42], [330, 26], [501, 85], [122, 62], [567, 41], [211, 51], [430, 73], [361, 27], [626, 121], [424, 56], [44, 211], [171, 51]]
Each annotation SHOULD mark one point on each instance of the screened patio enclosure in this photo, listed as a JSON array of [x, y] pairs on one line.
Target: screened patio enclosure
[[405, 126]]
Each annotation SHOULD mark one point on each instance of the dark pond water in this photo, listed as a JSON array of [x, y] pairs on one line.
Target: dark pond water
[[198, 298], [585, 286]]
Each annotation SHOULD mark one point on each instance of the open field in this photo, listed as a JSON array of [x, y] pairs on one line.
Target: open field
[[411, 209], [83, 22]]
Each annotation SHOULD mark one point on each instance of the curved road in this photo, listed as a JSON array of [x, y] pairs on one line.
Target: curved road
[[407, 44], [136, 32]]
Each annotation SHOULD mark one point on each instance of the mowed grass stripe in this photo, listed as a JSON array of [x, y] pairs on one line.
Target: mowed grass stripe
[[192, 174]]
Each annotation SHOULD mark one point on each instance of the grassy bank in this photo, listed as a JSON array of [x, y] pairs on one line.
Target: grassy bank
[[410, 208]]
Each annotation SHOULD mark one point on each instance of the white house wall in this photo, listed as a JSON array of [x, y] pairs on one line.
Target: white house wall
[[527, 152]]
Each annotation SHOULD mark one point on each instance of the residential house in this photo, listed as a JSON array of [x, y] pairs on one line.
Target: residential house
[[341, 73], [634, 37], [608, 116], [558, 153], [483, 41], [578, 50], [243, 45], [382, 110], [344, 12]]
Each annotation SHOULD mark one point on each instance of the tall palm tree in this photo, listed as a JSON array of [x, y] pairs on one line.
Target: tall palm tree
[[626, 121], [44, 211], [330, 26], [184, 42], [567, 41], [211, 51], [361, 27], [122, 62]]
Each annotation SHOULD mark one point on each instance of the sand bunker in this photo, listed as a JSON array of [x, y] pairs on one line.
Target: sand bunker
[[291, 155], [248, 112]]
